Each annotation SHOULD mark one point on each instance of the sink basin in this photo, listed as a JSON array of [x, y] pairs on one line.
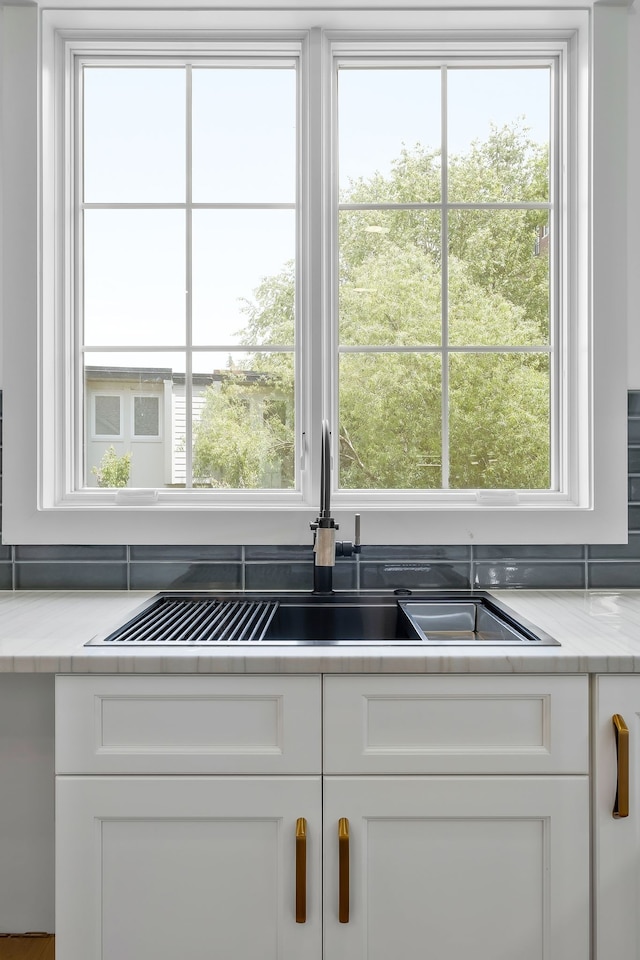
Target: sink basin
[[475, 620], [175, 621], [335, 621]]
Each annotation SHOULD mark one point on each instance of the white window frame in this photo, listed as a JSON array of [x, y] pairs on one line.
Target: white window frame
[[42, 505]]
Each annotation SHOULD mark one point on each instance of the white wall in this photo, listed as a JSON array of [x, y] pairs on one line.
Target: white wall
[[26, 803]]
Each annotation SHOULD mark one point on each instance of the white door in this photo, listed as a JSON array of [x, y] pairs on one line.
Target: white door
[[617, 838], [457, 868], [159, 868]]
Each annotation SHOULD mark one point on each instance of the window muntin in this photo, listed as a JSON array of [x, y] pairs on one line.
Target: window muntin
[[176, 243], [439, 257]]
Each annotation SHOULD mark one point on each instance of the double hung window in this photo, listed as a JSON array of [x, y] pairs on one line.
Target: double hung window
[[445, 367], [384, 221]]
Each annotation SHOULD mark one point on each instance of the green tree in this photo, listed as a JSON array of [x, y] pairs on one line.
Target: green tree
[[244, 438], [390, 283], [114, 471]]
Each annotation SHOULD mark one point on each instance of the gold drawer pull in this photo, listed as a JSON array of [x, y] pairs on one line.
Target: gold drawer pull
[[343, 870], [621, 730], [301, 870]]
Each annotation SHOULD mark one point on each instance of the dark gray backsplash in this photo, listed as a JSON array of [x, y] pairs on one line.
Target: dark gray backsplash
[[277, 567]]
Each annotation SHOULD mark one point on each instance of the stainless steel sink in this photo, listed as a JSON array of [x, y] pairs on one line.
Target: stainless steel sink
[[175, 621], [475, 620], [341, 621]]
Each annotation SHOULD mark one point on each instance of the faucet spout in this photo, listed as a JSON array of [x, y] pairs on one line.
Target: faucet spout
[[325, 473], [324, 527]]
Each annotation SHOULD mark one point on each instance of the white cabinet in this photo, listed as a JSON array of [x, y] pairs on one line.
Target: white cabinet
[[191, 859], [467, 867], [617, 838], [156, 868], [451, 819], [465, 861], [456, 724], [188, 725]]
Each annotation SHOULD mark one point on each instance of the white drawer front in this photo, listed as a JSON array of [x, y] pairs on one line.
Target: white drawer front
[[195, 725], [503, 724]]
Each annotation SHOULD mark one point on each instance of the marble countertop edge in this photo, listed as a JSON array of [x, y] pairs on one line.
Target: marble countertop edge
[[46, 632]]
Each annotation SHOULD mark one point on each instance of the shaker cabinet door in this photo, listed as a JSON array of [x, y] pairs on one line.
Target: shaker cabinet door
[[161, 868], [464, 867]]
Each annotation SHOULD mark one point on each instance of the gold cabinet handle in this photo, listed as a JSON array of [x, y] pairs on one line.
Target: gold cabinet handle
[[343, 870], [621, 730], [301, 870]]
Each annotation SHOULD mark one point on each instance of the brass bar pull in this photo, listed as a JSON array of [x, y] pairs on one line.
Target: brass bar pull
[[621, 730], [301, 870], [343, 870]]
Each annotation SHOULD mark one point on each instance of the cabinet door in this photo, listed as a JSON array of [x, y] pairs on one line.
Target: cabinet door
[[617, 839], [459, 868], [162, 868]]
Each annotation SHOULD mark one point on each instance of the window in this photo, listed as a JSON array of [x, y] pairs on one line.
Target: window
[[146, 417], [444, 177], [106, 416], [385, 219], [187, 182]]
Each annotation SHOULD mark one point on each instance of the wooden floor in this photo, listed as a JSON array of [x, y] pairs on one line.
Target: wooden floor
[[27, 948]]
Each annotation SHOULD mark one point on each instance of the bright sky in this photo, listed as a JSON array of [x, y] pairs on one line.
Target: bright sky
[[243, 151]]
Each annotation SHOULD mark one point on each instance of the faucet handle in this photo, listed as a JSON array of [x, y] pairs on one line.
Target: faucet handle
[[347, 548]]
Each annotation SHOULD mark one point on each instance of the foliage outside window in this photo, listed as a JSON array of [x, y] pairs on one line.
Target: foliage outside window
[[114, 470]]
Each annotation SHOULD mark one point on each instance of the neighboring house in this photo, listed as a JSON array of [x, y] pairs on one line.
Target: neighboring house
[[128, 409], [142, 410]]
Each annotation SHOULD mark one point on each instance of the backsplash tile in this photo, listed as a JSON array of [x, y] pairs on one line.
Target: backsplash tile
[[185, 576], [415, 576], [415, 552], [634, 460], [535, 551], [70, 576], [529, 575], [616, 551], [613, 575], [275, 551], [6, 576], [634, 430], [378, 567], [186, 553], [634, 517], [50, 552], [633, 403]]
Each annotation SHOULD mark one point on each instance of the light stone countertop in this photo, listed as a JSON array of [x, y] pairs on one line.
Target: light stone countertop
[[45, 632]]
